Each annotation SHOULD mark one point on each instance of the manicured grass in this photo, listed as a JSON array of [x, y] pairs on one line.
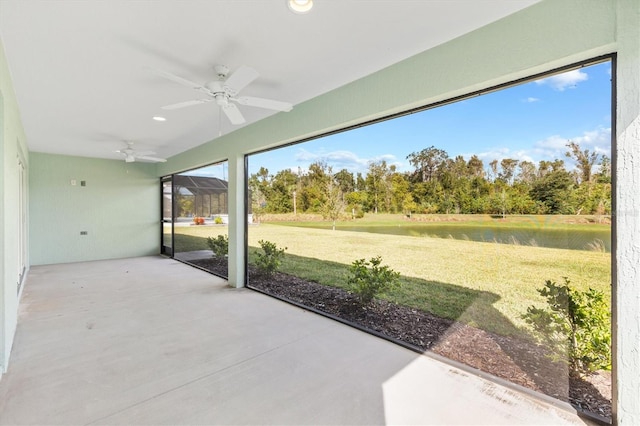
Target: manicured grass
[[559, 222], [488, 285], [485, 284]]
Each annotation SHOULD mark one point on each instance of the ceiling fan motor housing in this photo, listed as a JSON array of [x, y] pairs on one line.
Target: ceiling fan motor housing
[[221, 71], [214, 87], [225, 90]]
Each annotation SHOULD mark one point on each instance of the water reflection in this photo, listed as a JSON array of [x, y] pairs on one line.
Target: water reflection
[[579, 239]]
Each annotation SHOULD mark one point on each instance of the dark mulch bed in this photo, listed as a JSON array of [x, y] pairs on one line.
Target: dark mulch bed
[[518, 361]]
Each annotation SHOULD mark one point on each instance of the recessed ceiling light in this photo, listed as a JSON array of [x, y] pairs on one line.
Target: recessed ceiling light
[[300, 6], [158, 118]]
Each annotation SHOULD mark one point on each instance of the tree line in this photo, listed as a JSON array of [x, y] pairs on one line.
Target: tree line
[[441, 184]]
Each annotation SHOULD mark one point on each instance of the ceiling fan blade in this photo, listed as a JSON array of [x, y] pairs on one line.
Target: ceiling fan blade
[[264, 103], [240, 79], [148, 158], [233, 113], [186, 104], [143, 153], [178, 79]]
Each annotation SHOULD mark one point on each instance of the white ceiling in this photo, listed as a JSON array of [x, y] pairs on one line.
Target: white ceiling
[[80, 69]]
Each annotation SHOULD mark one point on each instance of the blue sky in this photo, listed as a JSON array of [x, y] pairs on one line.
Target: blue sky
[[533, 122]]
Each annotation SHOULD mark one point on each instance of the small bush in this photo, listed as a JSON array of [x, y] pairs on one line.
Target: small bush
[[218, 220], [269, 260], [219, 245], [369, 279], [576, 326]]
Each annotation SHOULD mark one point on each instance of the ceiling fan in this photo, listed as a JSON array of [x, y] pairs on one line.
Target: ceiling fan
[[224, 92], [131, 155]]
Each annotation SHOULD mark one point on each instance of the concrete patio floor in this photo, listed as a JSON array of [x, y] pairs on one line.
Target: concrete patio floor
[[153, 341]]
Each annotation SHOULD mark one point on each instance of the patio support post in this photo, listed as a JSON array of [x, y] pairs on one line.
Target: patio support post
[[626, 289], [237, 221]]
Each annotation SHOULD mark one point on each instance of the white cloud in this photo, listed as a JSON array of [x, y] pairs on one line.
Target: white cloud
[[500, 154], [551, 145], [531, 100], [551, 148], [567, 80], [304, 155], [342, 159], [597, 140]]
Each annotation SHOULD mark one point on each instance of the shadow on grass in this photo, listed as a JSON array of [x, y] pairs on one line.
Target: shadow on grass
[[449, 320], [456, 322], [445, 300], [186, 243]]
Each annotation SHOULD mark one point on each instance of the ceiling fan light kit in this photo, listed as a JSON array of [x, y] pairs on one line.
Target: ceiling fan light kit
[[224, 92], [300, 6]]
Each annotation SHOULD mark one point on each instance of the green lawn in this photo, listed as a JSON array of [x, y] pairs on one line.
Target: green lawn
[[192, 238], [488, 285]]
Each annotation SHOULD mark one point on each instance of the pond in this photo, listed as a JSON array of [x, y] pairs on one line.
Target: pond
[[581, 238]]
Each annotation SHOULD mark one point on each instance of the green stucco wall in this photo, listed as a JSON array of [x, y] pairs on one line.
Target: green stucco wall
[[12, 147], [119, 208]]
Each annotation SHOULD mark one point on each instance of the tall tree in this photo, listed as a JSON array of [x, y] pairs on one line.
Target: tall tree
[[312, 191], [553, 191], [458, 167], [475, 166], [345, 180], [334, 202], [584, 160], [283, 187], [426, 163], [508, 170], [260, 188], [527, 174], [378, 185], [400, 192], [361, 184], [493, 167], [604, 171]]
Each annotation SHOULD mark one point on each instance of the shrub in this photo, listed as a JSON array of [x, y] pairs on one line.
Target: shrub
[[575, 325], [269, 260], [219, 245], [369, 279], [218, 220]]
